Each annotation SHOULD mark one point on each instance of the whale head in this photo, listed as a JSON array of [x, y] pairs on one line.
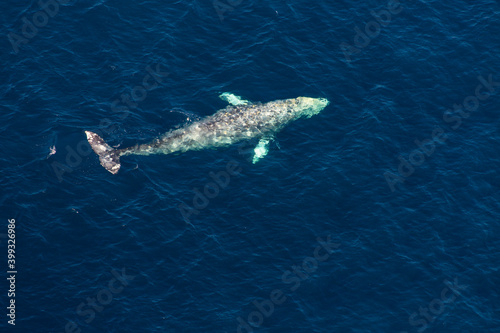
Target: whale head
[[308, 107]]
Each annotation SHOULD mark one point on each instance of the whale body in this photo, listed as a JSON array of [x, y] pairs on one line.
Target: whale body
[[241, 120]]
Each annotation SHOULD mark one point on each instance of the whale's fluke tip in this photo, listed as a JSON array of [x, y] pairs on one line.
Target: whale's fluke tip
[[109, 157]]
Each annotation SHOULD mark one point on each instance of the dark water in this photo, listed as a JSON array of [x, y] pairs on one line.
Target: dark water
[[412, 250]]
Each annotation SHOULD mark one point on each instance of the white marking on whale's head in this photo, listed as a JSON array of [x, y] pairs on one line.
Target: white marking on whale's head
[[308, 107]]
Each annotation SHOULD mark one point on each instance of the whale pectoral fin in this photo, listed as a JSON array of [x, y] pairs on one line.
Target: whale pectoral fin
[[233, 99], [261, 149]]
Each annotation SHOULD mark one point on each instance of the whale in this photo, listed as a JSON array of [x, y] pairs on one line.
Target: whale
[[240, 120]]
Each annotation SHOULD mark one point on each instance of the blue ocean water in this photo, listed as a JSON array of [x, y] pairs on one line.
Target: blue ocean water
[[380, 214]]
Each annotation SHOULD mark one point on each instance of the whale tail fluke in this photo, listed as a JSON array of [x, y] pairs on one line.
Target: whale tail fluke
[[109, 157]]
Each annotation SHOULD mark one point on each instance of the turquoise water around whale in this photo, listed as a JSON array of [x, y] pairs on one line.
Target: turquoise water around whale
[[380, 214]]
